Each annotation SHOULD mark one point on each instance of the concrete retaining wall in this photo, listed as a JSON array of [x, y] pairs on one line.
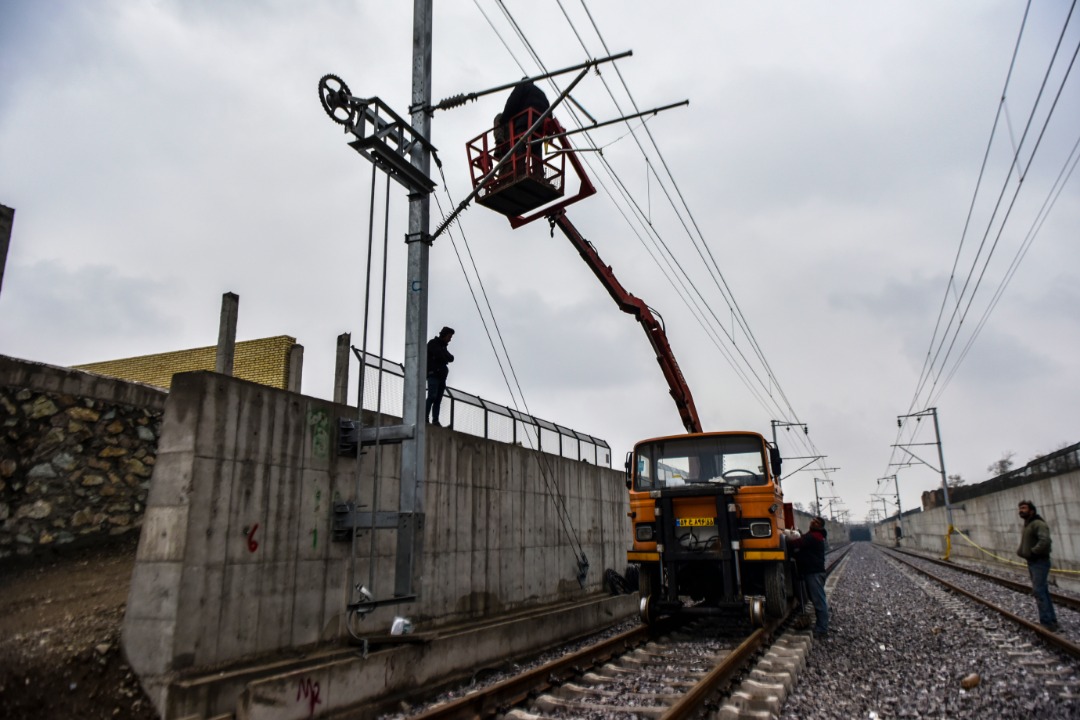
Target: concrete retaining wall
[[77, 453], [236, 558], [992, 524]]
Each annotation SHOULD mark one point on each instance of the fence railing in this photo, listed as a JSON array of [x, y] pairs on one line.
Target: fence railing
[[1056, 463], [476, 416]]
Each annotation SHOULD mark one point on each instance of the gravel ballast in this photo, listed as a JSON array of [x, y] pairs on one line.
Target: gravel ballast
[[901, 646]]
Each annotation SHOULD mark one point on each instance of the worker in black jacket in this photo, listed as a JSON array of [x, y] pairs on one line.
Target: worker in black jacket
[[525, 96], [438, 357], [811, 564]]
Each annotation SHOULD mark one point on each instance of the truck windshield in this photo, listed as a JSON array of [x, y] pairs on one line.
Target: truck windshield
[[729, 459]]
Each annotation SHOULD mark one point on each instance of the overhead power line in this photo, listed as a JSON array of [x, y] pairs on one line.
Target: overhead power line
[[937, 372]]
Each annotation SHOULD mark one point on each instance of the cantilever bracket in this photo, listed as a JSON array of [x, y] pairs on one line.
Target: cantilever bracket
[[351, 436], [382, 136]]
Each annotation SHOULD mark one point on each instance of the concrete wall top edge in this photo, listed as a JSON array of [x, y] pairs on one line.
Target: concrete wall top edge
[[15, 372]]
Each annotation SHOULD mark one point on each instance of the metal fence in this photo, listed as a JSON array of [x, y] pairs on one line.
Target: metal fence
[[473, 415], [1056, 463]]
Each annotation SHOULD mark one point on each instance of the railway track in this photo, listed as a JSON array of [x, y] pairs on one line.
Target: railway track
[[1051, 639], [668, 672], [671, 670], [1060, 600]]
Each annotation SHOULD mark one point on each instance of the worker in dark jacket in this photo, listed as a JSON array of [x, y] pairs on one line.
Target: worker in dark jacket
[[524, 96], [811, 564], [438, 357], [1035, 548]]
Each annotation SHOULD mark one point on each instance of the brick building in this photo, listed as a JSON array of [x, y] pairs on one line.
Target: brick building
[[265, 361]]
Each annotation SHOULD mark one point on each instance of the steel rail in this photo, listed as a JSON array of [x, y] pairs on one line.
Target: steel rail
[[1048, 637], [1064, 600], [491, 700], [691, 703], [515, 690]]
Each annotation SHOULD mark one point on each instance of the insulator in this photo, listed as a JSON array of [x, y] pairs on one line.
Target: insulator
[[455, 100]]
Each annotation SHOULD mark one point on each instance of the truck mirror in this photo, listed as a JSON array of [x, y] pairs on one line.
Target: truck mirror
[[775, 461]]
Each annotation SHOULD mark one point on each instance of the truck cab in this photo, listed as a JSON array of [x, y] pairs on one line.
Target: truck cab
[[708, 513]]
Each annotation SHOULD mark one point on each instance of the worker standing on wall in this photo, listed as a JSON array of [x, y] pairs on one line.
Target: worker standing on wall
[[438, 357]]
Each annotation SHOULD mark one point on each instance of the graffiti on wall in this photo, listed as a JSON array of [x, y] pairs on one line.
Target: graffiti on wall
[[308, 691], [319, 422], [317, 512], [252, 543]]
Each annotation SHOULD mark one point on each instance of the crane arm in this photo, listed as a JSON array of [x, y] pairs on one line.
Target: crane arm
[[680, 391]]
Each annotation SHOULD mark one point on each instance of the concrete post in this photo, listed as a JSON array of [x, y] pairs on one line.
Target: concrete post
[[296, 367], [226, 344], [7, 219], [341, 369]]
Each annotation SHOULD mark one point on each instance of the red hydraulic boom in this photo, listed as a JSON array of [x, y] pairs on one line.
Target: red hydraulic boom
[[680, 391], [532, 186]]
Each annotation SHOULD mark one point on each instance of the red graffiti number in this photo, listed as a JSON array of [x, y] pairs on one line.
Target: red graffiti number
[[309, 690], [253, 544]]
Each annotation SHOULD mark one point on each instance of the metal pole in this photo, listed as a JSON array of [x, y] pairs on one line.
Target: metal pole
[[944, 484], [410, 536], [817, 502], [899, 510]]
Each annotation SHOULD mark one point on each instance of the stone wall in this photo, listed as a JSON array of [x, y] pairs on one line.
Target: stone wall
[[77, 454]]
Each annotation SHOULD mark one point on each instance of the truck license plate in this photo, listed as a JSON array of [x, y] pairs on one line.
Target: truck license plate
[[695, 522]]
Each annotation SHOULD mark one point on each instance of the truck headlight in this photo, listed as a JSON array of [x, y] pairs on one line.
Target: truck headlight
[[760, 529], [645, 532]]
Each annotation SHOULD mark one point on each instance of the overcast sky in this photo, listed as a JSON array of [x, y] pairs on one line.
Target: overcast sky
[[161, 153]]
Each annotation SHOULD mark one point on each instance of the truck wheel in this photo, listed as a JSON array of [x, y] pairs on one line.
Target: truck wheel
[[757, 611], [648, 589], [776, 590]]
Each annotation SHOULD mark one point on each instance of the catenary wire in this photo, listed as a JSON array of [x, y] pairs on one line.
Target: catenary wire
[[737, 314], [971, 207], [700, 238], [1044, 211], [1007, 214], [975, 262], [930, 366], [642, 215], [544, 463]]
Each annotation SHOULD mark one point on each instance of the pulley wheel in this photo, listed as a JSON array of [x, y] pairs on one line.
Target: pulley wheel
[[335, 98]]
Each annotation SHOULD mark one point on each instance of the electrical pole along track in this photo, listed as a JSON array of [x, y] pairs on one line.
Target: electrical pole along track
[[707, 509]]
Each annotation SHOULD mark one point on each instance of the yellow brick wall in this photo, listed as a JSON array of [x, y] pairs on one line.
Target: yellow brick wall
[[264, 361]]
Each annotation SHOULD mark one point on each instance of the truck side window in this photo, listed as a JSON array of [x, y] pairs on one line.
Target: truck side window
[[644, 472]]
